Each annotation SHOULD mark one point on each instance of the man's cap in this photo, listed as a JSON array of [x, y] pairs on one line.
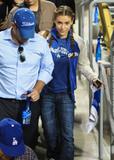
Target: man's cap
[[11, 138], [24, 19]]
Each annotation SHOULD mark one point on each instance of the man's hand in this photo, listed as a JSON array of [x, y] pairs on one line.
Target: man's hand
[[34, 95]]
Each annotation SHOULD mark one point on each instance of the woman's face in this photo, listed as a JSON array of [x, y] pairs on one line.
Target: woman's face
[[63, 25]]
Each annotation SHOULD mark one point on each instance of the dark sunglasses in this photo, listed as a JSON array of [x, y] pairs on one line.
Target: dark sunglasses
[[22, 56]]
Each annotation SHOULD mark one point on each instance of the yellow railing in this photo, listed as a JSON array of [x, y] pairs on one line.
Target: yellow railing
[[106, 26]]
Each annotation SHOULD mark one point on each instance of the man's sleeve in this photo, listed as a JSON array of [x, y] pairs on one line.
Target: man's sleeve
[[46, 65]]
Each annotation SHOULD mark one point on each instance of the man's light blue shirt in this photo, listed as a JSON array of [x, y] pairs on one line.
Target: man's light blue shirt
[[16, 77]]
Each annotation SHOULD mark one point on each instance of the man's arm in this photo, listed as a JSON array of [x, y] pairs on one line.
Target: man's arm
[[45, 71]]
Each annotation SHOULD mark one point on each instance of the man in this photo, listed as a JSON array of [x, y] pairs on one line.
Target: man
[[26, 66], [43, 10], [11, 142], [5, 7]]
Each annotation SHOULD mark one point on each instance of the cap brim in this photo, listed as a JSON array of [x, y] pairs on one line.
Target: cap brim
[[13, 151], [27, 32]]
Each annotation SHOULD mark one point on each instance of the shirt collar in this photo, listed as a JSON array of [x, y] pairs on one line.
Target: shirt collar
[[9, 37], [7, 34]]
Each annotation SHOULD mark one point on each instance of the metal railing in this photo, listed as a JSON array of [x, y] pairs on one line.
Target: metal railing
[[105, 91], [108, 92], [92, 3], [112, 91]]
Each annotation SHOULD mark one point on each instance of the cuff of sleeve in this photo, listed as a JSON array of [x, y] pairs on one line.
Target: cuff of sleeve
[[45, 77], [94, 78]]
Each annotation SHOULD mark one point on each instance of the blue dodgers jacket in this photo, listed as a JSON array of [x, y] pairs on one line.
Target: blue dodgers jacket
[[72, 54]]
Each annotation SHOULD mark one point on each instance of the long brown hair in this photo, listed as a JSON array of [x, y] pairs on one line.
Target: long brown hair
[[64, 11]]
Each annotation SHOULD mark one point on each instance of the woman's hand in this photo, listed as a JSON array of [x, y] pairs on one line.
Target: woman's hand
[[97, 83]]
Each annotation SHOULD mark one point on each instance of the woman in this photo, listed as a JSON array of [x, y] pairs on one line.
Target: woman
[[57, 100]]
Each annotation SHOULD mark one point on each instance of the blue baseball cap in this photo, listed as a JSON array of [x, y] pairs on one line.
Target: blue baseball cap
[[11, 138], [24, 19]]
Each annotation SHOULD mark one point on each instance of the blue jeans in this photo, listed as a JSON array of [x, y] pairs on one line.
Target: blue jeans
[[57, 111]]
